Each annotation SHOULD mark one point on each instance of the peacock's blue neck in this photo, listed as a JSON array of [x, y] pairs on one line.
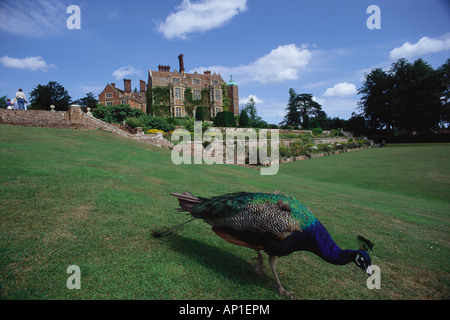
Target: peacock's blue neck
[[317, 240]]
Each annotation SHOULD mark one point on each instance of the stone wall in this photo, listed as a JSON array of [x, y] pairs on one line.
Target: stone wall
[[74, 118]]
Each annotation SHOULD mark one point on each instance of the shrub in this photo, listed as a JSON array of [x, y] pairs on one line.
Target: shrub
[[327, 148], [157, 123], [135, 122], [172, 121], [335, 133], [199, 115], [225, 119], [285, 152], [317, 131], [189, 125], [117, 113]]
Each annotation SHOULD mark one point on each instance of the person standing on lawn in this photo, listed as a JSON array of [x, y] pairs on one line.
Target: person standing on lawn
[[21, 99]]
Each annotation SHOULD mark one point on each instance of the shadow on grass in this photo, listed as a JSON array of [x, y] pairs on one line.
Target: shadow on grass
[[228, 265]]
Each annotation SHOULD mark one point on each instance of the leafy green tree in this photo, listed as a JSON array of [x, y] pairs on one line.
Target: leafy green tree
[[292, 117], [43, 96], [308, 108], [408, 98], [375, 102], [356, 124], [301, 108], [89, 101], [243, 119], [3, 102], [444, 74], [255, 121]]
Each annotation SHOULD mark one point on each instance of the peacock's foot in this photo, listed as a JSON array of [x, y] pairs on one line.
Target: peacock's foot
[[283, 292]]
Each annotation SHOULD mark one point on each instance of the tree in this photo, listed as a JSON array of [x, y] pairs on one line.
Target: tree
[[407, 98], [300, 109], [3, 102], [243, 119], [255, 121], [89, 101], [43, 96], [292, 117], [308, 108], [444, 74], [356, 124], [375, 102]]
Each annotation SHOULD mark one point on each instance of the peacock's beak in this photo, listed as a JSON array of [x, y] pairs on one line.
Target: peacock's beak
[[369, 271]]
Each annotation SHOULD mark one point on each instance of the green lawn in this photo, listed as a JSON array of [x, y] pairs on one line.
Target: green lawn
[[91, 199]]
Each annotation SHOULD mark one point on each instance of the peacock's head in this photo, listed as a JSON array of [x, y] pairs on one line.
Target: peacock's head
[[362, 259]]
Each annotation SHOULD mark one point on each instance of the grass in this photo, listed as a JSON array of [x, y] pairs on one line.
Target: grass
[[91, 199]]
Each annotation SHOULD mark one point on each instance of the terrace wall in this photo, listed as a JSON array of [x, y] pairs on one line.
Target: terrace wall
[[74, 118]]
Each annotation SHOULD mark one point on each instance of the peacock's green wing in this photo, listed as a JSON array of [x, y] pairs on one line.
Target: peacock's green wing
[[259, 212]]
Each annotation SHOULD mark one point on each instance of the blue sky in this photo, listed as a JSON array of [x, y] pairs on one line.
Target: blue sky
[[322, 47]]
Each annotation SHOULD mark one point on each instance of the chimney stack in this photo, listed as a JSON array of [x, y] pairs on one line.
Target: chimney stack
[[142, 86], [163, 68], [113, 84], [180, 58], [207, 72], [127, 85]]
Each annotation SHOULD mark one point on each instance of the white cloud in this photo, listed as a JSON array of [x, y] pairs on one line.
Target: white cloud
[[423, 46], [243, 101], [200, 16], [341, 89], [29, 63], [33, 18], [281, 64], [125, 72]]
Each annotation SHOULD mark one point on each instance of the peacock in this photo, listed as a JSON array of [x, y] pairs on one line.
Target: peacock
[[271, 222]]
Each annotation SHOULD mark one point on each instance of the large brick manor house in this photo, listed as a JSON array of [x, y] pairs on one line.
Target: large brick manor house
[[175, 93]]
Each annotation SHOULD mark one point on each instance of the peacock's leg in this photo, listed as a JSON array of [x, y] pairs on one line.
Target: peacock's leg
[[259, 262], [281, 290]]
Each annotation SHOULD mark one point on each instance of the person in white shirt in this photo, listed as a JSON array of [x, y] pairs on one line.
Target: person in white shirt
[[21, 99]]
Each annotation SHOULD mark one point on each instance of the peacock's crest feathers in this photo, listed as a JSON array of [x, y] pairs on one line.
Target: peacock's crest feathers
[[261, 212], [365, 244]]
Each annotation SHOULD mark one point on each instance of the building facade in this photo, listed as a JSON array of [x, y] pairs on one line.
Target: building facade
[[112, 95], [233, 94], [185, 92], [176, 93]]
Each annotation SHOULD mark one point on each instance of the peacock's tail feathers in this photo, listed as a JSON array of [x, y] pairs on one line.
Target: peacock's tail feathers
[[187, 201]]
